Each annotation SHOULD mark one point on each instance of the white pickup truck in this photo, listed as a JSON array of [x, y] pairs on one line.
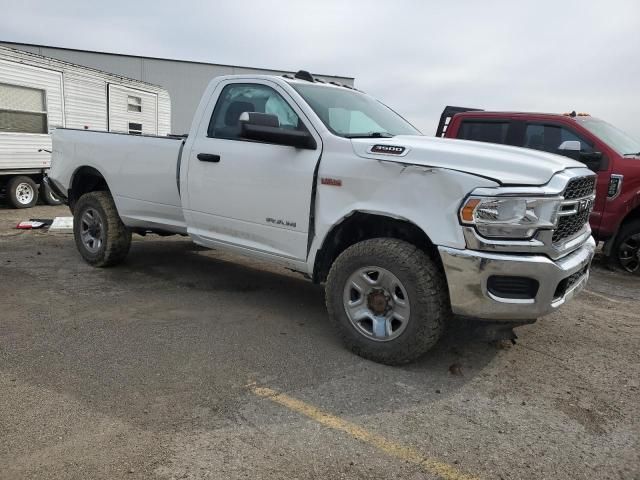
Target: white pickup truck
[[404, 230]]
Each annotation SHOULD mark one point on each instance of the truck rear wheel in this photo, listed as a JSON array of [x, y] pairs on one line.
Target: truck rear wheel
[[22, 192], [626, 250], [388, 300], [101, 237]]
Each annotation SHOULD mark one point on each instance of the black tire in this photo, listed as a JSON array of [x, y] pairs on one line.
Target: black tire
[[48, 196], [427, 293], [113, 239], [626, 249], [22, 192]]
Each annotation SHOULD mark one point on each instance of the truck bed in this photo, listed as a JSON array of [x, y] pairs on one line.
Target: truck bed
[[140, 170]]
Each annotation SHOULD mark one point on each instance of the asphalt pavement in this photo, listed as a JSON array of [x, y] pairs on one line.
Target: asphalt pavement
[[191, 363]]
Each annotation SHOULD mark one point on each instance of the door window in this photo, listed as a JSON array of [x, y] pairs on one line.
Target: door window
[[492, 132], [238, 98], [549, 137]]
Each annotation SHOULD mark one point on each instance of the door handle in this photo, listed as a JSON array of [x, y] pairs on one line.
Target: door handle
[[208, 157]]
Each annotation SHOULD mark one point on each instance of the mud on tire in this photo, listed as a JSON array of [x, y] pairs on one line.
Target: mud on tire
[[101, 237], [420, 280]]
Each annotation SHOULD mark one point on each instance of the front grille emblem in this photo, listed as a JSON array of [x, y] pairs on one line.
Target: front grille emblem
[[584, 205]]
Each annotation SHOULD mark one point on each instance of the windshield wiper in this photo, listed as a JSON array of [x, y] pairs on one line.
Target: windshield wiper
[[369, 135], [631, 154]]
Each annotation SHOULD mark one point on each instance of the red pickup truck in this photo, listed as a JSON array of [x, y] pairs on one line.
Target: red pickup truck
[[608, 151]]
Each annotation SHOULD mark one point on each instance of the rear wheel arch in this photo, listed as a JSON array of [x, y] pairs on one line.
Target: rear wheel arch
[[84, 180], [633, 214], [362, 225]]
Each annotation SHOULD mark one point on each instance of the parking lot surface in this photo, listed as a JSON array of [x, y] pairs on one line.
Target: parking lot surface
[[189, 363]]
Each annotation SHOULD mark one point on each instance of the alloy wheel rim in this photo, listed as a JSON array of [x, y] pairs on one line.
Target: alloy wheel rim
[[91, 230], [24, 193], [629, 253], [376, 303]]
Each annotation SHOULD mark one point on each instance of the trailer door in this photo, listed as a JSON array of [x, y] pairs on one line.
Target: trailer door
[[132, 111]]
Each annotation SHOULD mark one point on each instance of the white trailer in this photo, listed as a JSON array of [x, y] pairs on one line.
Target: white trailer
[[39, 94]]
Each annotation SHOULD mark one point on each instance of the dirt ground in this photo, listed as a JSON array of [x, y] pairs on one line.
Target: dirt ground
[[158, 368]]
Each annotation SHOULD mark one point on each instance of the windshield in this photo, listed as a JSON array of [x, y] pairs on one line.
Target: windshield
[[612, 136], [351, 114]]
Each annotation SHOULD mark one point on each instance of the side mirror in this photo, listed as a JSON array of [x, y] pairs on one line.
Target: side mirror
[[570, 145], [572, 149], [264, 127]]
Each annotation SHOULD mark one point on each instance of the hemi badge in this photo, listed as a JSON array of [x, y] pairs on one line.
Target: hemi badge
[[334, 182], [388, 149]]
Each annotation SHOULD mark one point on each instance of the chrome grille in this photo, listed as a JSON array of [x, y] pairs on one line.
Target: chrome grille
[[570, 225], [580, 188], [578, 196]]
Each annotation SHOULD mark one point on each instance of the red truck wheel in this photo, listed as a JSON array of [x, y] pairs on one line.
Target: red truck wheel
[[627, 247]]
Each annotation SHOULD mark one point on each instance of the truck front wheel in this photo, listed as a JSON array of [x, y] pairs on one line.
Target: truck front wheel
[[22, 192], [627, 247], [388, 300], [101, 237]]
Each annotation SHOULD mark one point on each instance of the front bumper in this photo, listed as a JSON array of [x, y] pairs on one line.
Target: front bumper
[[468, 272]]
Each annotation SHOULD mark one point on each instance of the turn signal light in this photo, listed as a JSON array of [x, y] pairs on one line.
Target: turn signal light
[[466, 214]]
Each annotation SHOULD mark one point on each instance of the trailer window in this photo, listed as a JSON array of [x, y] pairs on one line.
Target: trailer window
[[22, 109], [134, 104], [135, 128]]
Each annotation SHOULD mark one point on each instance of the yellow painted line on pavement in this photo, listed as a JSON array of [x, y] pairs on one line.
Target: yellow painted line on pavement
[[430, 465]]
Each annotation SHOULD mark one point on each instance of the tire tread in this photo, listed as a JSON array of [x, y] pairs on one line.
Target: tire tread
[[431, 307], [118, 237]]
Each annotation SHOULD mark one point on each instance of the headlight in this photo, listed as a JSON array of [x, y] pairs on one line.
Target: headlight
[[509, 217]]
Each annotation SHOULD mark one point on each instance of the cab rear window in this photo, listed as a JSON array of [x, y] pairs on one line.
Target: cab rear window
[[492, 132]]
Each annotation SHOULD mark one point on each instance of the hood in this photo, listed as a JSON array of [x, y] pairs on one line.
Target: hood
[[505, 164]]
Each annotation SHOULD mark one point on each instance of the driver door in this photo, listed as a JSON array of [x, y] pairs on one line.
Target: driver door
[[252, 195]]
